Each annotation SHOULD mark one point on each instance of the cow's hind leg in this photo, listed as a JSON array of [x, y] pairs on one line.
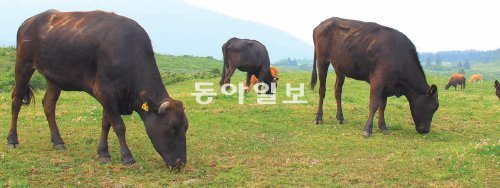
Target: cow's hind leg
[[229, 74], [381, 119], [322, 73], [339, 82], [248, 83], [21, 94], [49, 107], [102, 150]]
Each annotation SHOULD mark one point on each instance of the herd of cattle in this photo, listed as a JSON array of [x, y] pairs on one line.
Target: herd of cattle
[[458, 79], [111, 58]]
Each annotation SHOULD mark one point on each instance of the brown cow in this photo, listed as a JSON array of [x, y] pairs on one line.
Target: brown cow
[[476, 78], [254, 79], [379, 55], [111, 58], [246, 55], [456, 79], [497, 87]]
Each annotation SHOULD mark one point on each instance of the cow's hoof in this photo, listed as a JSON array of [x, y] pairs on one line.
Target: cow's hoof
[[59, 147], [104, 159], [340, 121], [129, 162], [366, 134], [385, 131], [319, 121], [12, 146]]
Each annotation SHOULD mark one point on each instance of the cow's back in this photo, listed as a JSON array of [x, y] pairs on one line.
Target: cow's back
[[357, 48], [76, 49], [250, 53]]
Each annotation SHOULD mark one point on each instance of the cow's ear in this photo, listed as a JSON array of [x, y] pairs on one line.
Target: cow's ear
[[497, 85], [433, 90], [146, 103]]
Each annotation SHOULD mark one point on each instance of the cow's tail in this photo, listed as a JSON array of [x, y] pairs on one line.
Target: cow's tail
[[28, 96], [224, 55], [314, 75]]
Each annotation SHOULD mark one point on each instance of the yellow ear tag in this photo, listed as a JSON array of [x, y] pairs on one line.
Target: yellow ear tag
[[145, 107]]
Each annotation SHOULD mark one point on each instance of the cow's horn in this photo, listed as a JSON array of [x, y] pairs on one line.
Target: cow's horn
[[163, 107]]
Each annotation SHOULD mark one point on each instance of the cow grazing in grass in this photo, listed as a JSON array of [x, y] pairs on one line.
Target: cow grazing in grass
[[111, 58], [456, 79], [476, 78], [254, 79], [379, 55], [497, 87], [246, 55]]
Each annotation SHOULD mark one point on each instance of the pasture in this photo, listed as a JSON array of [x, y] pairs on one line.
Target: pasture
[[267, 145]]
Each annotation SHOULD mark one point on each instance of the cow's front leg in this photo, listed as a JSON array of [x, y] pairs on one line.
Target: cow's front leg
[[119, 127], [102, 150], [375, 98], [113, 117]]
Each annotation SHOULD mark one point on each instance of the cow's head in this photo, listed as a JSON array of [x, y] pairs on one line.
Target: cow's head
[[447, 85], [497, 86], [166, 125], [423, 108]]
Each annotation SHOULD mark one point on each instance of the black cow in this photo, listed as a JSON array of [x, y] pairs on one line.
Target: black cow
[[381, 56], [248, 56], [111, 58]]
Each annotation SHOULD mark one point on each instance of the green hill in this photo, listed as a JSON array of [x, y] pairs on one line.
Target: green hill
[[172, 68]]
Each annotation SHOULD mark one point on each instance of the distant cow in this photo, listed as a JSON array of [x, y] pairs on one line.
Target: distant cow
[[497, 87], [379, 55], [111, 58], [246, 55], [456, 79], [254, 79], [476, 78]]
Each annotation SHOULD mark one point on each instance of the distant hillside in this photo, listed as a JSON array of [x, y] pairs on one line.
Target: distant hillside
[[186, 63], [200, 32]]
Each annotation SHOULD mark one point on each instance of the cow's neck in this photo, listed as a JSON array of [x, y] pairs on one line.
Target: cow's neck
[[416, 84], [152, 84]]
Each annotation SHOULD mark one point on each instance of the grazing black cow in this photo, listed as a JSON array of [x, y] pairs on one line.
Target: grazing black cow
[[381, 56], [248, 56], [456, 79], [111, 58], [497, 87]]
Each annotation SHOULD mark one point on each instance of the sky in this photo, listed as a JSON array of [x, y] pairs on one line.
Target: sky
[[432, 25]]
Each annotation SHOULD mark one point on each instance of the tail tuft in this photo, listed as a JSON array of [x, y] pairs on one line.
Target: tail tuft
[[29, 96], [314, 75]]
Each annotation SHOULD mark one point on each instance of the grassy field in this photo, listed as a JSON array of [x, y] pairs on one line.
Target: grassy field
[[268, 145]]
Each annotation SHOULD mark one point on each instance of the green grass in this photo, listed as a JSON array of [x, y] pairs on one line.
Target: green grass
[[278, 145]]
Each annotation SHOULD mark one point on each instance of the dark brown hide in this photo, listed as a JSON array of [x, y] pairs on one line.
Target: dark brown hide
[[497, 87], [111, 58], [456, 79], [381, 56], [246, 55]]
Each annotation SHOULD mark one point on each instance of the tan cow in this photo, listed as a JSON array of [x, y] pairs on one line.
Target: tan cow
[[476, 78]]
